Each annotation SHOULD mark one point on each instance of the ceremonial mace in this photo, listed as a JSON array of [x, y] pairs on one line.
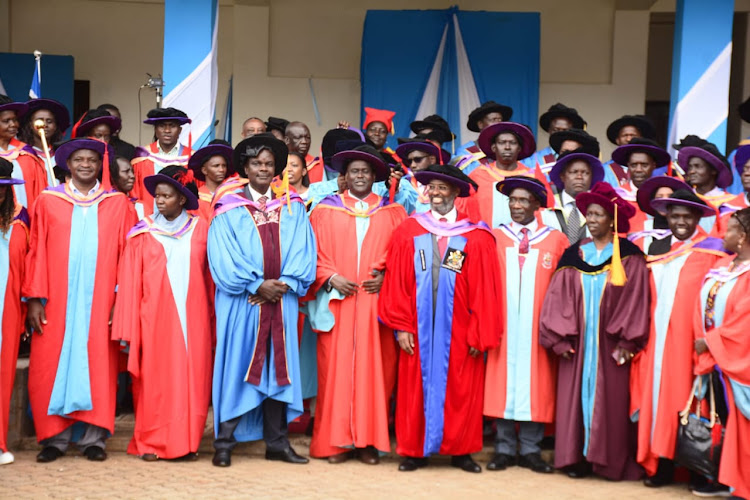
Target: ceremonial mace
[[39, 126]]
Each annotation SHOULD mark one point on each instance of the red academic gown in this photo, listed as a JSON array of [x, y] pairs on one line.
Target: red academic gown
[[144, 166], [17, 238], [657, 438], [546, 246], [476, 321], [357, 358], [726, 210], [205, 209], [47, 278], [729, 348], [482, 202], [315, 169], [32, 167], [171, 371]]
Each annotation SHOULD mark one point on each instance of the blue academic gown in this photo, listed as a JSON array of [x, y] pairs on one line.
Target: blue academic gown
[[236, 261]]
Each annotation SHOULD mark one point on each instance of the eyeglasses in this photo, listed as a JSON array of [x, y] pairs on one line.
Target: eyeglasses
[[414, 160]]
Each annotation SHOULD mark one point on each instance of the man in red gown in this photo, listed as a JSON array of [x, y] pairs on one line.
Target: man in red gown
[[441, 291], [356, 354], [70, 289], [166, 150]]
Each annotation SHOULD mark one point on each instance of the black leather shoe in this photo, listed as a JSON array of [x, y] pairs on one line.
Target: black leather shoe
[[465, 463], [579, 470], [501, 461], [664, 474], [222, 458], [534, 462], [412, 463], [95, 453], [49, 454], [289, 456]]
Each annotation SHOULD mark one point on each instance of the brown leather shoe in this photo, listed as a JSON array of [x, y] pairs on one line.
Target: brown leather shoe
[[369, 455], [341, 457]]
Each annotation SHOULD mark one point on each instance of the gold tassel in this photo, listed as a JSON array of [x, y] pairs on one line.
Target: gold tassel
[[617, 276], [283, 189]]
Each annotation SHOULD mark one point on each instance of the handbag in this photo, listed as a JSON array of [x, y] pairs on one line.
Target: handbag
[[699, 439]]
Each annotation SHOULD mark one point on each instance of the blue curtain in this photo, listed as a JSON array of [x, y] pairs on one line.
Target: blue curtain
[[399, 49]]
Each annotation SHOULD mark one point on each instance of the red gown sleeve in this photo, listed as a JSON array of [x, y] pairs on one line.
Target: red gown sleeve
[[397, 303], [35, 283], [482, 268], [126, 323]]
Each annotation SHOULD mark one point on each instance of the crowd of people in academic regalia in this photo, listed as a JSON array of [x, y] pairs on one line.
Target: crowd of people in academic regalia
[[504, 292]]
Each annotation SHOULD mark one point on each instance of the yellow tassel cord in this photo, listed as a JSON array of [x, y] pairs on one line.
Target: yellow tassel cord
[[283, 189], [617, 276]]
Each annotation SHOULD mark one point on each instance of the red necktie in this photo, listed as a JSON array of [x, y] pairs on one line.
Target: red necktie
[[262, 203], [523, 247], [442, 241]]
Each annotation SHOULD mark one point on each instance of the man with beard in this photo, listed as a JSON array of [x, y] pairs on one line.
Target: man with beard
[[440, 294]]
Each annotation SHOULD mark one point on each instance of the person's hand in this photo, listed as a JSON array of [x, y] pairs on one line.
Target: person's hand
[[395, 176], [256, 300], [36, 315], [474, 352], [568, 354], [373, 285], [406, 342], [343, 124], [272, 290], [700, 346], [622, 355], [343, 285]]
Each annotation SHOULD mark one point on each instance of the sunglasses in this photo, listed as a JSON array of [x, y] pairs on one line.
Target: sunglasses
[[414, 161]]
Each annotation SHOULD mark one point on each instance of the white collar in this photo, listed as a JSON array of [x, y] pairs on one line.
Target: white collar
[[450, 216], [175, 151], [75, 190], [349, 192], [256, 195], [566, 199], [532, 226]]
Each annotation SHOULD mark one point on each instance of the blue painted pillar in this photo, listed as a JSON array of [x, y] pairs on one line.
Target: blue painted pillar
[[190, 64], [700, 70]]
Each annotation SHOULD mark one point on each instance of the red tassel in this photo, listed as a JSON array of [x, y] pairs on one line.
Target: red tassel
[[543, 179], [185, 178], [392, 191], [190, 142], [74, 132], [669, 169], [106, 180]]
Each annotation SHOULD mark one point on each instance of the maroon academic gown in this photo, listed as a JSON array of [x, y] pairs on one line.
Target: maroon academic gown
[[171, 368], [623, 322], [455, 380]]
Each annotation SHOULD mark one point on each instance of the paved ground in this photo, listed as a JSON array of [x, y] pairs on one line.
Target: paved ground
[[251, 476], [123, 476]]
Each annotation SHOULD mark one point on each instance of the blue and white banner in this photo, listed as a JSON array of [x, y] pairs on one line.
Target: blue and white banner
[[450, 65], [190, 64], [35, 90], [700, 71]]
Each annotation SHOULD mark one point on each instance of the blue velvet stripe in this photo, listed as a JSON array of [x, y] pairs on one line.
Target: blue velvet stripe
[[434, 335], [593, 288], [72, 389], [4, 266]]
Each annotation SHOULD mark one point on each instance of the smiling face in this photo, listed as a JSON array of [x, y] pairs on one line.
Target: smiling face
[[360, 177], [598, 221], [84, 166], [377, 132], [169, 201], [682, 221], [442, 196], [523, 205]]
